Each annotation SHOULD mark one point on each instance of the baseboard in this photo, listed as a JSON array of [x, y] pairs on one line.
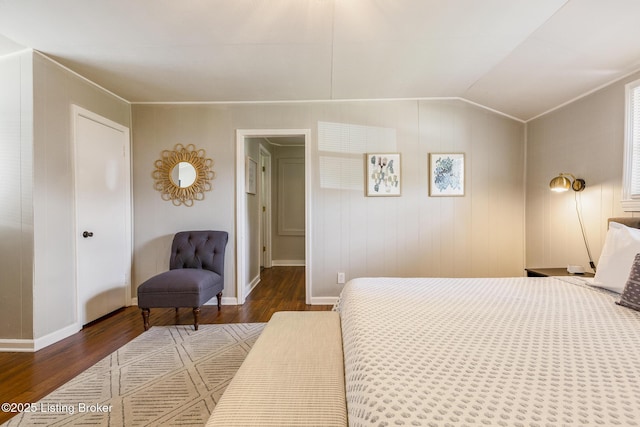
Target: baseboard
[[288, 263], [225, 301], [28, 345], [134, 301], [42, 342], [252, 285], [13, 345], [324, 300], [229, 301]]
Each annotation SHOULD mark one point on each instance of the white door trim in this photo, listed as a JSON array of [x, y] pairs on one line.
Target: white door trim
[[76, 112], [241, 134]]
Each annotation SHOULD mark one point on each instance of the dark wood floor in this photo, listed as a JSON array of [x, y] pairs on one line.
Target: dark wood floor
[[28, 377]]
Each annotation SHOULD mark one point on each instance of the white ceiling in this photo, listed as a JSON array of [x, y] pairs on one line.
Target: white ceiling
[[519, 57]]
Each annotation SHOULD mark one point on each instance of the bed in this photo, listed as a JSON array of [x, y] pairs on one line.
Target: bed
[[494, 351]]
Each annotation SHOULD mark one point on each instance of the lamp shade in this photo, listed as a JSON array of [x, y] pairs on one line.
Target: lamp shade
[[560, 183], [563, 182]]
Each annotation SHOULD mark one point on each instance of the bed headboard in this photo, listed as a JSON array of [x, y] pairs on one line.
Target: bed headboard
[[629, 222]]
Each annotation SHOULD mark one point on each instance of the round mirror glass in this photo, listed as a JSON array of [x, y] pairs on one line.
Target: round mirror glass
[[183, 174]]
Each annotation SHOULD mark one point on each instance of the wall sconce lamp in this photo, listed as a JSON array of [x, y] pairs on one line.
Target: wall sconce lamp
[[563, 183]]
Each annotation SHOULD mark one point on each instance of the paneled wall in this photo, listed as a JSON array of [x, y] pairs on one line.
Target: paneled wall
[[16, 198], [158, 128], [585, 138], [480, 234]]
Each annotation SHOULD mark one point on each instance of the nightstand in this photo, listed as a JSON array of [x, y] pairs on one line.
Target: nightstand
[[546, 272]]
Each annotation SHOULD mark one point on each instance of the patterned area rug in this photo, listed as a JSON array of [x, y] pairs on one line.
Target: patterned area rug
[[167, 376]]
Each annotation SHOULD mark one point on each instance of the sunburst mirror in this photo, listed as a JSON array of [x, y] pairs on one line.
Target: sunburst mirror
[[183, 175]]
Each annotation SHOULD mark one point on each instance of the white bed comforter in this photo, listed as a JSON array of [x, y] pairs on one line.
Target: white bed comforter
[[506, 351]]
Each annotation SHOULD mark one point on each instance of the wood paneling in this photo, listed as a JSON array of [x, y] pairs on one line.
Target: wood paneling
[[16, 197], [480, 234], [585, 138]]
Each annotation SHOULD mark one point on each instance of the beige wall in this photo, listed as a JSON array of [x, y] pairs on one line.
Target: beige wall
[[585, 138], [16, 200], [158, 128], [287, 248], [481, 234]]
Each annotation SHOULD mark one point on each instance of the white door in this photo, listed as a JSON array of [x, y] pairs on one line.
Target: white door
[[102, 179]]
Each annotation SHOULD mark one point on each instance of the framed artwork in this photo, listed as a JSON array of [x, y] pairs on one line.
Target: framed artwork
[[446, 174], [383, 174], [250, 178]]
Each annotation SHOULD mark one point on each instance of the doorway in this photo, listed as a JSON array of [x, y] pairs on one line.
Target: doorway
[[103, 215], [242, 227]]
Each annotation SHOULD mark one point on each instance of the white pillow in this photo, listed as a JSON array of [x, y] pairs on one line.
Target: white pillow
[[620, 248]]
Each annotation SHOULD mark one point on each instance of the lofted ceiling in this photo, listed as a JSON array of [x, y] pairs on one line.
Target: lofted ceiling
[[519, 57]]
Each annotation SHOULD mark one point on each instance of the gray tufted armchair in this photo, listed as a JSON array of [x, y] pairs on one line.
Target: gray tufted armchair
[[196, 274]]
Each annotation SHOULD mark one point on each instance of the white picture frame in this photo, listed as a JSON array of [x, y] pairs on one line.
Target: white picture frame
[[251, 175]]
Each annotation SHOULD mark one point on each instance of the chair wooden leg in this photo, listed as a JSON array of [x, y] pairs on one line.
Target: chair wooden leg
[[196, 317], [219, 300], [145, 318], [177, 316]]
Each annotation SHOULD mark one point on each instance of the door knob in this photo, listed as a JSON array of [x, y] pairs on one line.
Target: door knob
[[87, 234]]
